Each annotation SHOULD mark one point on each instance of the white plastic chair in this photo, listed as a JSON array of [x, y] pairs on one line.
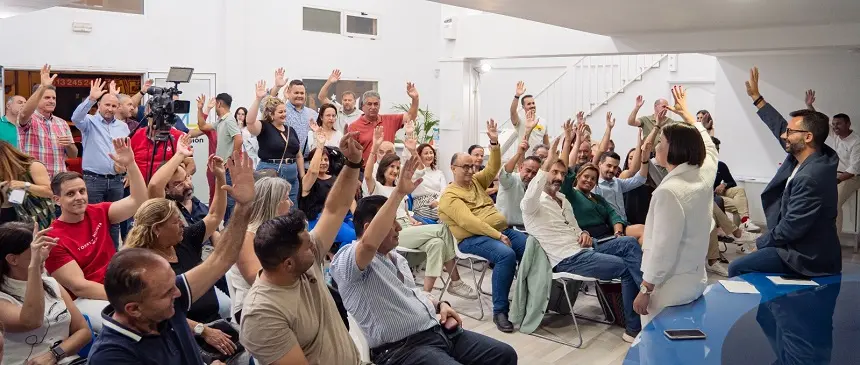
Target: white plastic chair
[[472, 259], [564, 278], [359, 339]]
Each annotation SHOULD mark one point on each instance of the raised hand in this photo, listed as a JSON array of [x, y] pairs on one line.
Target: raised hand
[[378, 136], [640, 101], [610, 121], [405, 185], [350, 147], [524, 146], [409, 128], [553, 150], [411, 142], [201, 101], [810, 99], [260, 90], [531, 120], [146, 85], [580, 118], [752, 84], [569, 131], [320, 138], [97, 89], [680, 97], [521, 88], [183, 147], [212, 103], [41, 246], [242, 175], [216, 165], [493, 131], [314, 126], [411, 90], [661, 117], [335, 76], [707, 121], [45, 76], [122, 155], [280, 77], [114, 90]]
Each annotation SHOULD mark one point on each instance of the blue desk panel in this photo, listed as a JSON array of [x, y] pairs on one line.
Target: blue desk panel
[[783, 325]]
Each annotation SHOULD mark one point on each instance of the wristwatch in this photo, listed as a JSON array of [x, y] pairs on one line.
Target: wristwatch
[[27, 186], [198, 329], [644, 290], [58, 352], [354, 165]]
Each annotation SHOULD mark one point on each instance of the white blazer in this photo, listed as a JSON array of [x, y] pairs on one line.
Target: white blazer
[[677, 231]]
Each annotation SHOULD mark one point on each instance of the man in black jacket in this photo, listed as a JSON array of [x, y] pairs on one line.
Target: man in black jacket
[[800, 201]]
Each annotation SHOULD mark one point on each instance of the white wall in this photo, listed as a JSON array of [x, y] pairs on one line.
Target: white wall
[[747, 146]]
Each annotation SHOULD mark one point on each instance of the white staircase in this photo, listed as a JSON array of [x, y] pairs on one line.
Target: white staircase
[[584, 86]]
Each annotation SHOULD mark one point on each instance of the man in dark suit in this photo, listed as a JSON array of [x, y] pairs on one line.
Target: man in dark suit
[[800, 201]]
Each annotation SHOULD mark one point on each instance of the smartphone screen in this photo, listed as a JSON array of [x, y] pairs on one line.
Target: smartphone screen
[[684, 334]]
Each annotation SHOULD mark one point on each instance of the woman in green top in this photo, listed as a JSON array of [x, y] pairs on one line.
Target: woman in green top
[[593, 213]]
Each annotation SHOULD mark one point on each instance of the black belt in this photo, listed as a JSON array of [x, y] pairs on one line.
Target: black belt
[[279, 160], [381, 349], [90, 173]]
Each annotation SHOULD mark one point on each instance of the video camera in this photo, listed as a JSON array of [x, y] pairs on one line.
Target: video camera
[[162, 106]]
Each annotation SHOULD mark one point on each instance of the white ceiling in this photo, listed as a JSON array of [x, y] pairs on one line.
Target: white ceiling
[[631, 17], [14, 7]]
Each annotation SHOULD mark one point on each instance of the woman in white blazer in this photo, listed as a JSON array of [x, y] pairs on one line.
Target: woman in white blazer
[[678, 225]]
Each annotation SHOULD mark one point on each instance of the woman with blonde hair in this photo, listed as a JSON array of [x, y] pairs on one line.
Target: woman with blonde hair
[[279, 145], [158, 226], [272, 200], [19, 171]]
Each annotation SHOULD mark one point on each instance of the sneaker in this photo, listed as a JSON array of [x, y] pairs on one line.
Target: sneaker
[[462, 290], [749, 226], [629, 337], [718, 269], [725, 239]]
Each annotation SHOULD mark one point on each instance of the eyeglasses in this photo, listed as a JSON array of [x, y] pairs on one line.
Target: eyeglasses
[[789, 131], [466, 167]]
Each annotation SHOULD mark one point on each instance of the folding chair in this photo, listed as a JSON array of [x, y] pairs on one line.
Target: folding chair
[[359, 340], [564, 278], [472, 259]]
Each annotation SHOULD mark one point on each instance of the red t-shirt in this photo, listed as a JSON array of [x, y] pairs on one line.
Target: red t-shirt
[[391, 123], [87, 242], [143, 148]]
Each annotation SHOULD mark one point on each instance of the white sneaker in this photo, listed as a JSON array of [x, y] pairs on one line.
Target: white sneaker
[[462, 290], [749, 226], [719, 269], [626, 337]]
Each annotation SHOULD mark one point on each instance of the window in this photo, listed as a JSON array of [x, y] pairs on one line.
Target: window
[[321, 20], [313, 86], [360, 25], [119, 6]]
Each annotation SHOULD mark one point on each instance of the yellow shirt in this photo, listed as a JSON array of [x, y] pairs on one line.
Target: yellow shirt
[[470, 211]]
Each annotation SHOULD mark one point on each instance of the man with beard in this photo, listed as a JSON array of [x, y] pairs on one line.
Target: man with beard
[[173, 181], [549, 218], [346, 110], [538, 133], [512, 186], [800, 201]]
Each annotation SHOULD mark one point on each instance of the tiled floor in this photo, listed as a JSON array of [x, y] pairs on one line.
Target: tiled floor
[[602, 343]]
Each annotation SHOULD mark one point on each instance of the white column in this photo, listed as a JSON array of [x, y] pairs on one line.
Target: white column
[[458, 127]]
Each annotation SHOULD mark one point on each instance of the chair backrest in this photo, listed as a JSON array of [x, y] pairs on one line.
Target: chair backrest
[[359, 339]]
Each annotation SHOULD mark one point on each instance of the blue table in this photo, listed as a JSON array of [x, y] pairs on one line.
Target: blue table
[[785, 324]]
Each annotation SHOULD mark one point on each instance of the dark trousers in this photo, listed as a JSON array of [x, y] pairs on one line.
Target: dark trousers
[[434, 346], [230, 202], [764, 260], [105, 189]]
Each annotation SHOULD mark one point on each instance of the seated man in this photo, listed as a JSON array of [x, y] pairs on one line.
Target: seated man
[[734, 196], [612, 189], [549, 218], [481, 230], [146, 320], [289, 317], [398, 319], [800, 201], [85, 247], [512, 186]]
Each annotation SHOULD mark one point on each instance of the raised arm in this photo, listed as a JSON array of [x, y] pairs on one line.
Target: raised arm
[[579, 137], [342, 193], [513, 161], [79, 116], [708, 170], [31, 314], [768, 114], [219, 201], [162, 176], [138, 98], [607, 135], [515, 115], [380, 226], [126, 207], [255, 126], [204, 276], [531, 200], [486, 176], [638, 159], [280, 82], [632, 119], [412, 114], [333, 78], [314, 169], [810, 99], [33, 102], [369, 179], [202, 115]]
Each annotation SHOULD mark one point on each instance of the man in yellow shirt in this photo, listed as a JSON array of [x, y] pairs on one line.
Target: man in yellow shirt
[[479, 227]]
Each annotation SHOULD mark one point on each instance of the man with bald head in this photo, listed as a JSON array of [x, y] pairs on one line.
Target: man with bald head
[[104, 182], [9, 122], [648, 122]]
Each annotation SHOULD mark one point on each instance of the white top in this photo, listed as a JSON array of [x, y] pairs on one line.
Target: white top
[[333, 139], [382, 190], [553, 225], [434, 182], [511, 192], [55, 326], [848, 150], [250, 145], [536, 137], [238, 288], [678, 228], [344, 118]]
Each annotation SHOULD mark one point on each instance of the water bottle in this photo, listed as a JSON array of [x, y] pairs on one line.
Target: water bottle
[[327, 275], [435, 133]]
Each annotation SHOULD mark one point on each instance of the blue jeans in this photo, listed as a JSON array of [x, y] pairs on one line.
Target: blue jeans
[[764, 260], [346, 233], [505, 258], [230, 202], [101, 189], [617, 258], [287, 172]]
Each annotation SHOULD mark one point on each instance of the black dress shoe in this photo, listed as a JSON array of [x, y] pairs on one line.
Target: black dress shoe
[[502, 322]]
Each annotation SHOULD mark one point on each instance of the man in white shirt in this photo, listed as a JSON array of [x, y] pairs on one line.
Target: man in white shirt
[[346, 110], [539, 134], [549, 217], [512, 186]]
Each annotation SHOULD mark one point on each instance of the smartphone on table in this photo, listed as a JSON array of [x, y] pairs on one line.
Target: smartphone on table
[[686, 334]]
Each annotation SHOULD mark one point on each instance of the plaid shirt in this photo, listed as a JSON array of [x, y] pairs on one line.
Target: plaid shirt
[[299, 120], [38, 139]]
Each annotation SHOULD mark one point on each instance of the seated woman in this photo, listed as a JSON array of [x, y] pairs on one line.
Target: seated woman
[[42, 325], [433, 239], [425, 198], [636, 201], [324, 125], [21, 171], [592, 211], [158, 226], [316, 185]]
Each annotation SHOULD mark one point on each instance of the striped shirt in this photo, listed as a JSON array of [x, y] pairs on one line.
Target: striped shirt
[[300, 121], [39, 139], [383, 298]]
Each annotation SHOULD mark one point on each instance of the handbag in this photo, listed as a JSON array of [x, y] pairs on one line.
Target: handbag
[[34, 209], [209, 353], [421, 206]]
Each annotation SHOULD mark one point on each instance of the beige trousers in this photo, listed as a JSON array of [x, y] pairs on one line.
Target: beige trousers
[[435, 240], [736, 201], [844, 191], [723, 220]]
